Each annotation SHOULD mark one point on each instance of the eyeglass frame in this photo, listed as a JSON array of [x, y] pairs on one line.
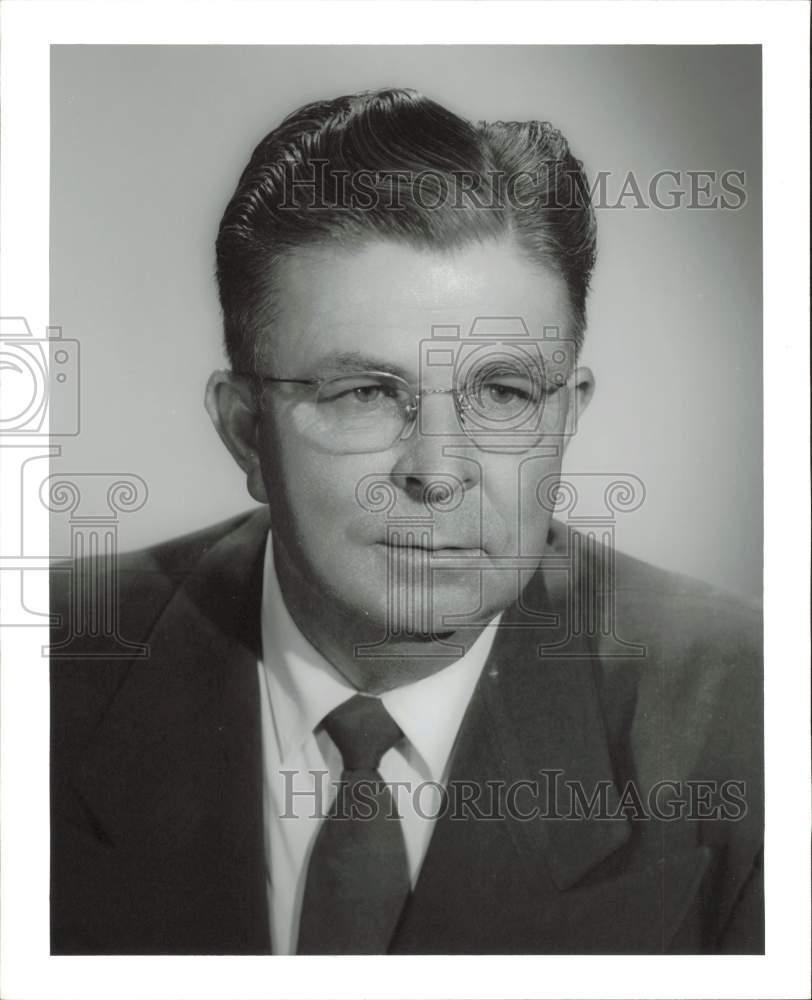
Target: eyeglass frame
[[413, 408]]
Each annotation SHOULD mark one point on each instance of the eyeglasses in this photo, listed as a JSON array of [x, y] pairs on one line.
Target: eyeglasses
[[499, 408]]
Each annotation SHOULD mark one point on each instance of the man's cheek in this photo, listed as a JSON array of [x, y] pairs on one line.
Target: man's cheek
[[309, 479], [325, 508], [513, 517], [531, 505], [334, 477]]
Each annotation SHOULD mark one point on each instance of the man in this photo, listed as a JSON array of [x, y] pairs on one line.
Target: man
[[380, 715]]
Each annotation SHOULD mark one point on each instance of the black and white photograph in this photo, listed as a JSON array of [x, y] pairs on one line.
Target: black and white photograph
[[395, 422]]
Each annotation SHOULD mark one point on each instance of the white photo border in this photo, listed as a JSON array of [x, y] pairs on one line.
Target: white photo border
[[26, 968]]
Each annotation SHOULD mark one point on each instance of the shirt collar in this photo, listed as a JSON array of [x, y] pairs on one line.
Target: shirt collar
[[304, 687]]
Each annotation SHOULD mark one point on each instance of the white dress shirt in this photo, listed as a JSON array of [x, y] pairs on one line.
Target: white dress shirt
[[298, 687]]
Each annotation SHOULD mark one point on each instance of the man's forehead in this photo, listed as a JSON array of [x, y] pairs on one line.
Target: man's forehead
[[385, 298]]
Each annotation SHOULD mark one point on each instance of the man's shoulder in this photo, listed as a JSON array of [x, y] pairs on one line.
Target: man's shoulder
[[668, 600], [173, 556], [177, 556], [143, 581], [655, 615], [627, 573]]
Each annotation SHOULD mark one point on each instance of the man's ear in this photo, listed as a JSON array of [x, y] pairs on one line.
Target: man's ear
[[582, 386], [232, 406]]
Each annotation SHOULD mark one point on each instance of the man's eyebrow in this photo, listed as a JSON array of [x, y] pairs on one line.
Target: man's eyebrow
[[354, 361]]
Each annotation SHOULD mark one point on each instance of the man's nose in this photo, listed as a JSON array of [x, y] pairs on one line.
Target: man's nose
[[436, 457]]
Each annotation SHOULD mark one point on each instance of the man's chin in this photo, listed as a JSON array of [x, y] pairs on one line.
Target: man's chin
[[422, 617]]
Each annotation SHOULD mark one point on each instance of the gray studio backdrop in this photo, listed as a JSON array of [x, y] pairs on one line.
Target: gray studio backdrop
[[147, 145]]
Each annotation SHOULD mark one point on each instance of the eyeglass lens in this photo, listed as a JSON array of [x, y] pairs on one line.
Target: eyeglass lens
[[498, 405]]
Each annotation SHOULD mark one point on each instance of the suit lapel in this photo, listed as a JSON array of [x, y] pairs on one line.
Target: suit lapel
[[172, 777]]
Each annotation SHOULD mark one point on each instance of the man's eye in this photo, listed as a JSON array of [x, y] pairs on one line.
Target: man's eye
[[354, 393], [368, 393], [500, 393]]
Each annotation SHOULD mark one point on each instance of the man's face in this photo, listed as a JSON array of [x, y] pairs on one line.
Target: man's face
[[361, 530]]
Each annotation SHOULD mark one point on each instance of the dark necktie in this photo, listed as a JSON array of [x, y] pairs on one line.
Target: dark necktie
[[358, 876]]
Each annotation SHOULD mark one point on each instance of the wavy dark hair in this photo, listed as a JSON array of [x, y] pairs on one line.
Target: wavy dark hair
[[393, 164]]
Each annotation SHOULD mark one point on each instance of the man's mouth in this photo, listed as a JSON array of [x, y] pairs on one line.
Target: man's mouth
[[436, 550]]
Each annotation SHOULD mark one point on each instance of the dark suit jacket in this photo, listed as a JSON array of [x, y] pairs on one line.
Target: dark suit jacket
[[157, 829]]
